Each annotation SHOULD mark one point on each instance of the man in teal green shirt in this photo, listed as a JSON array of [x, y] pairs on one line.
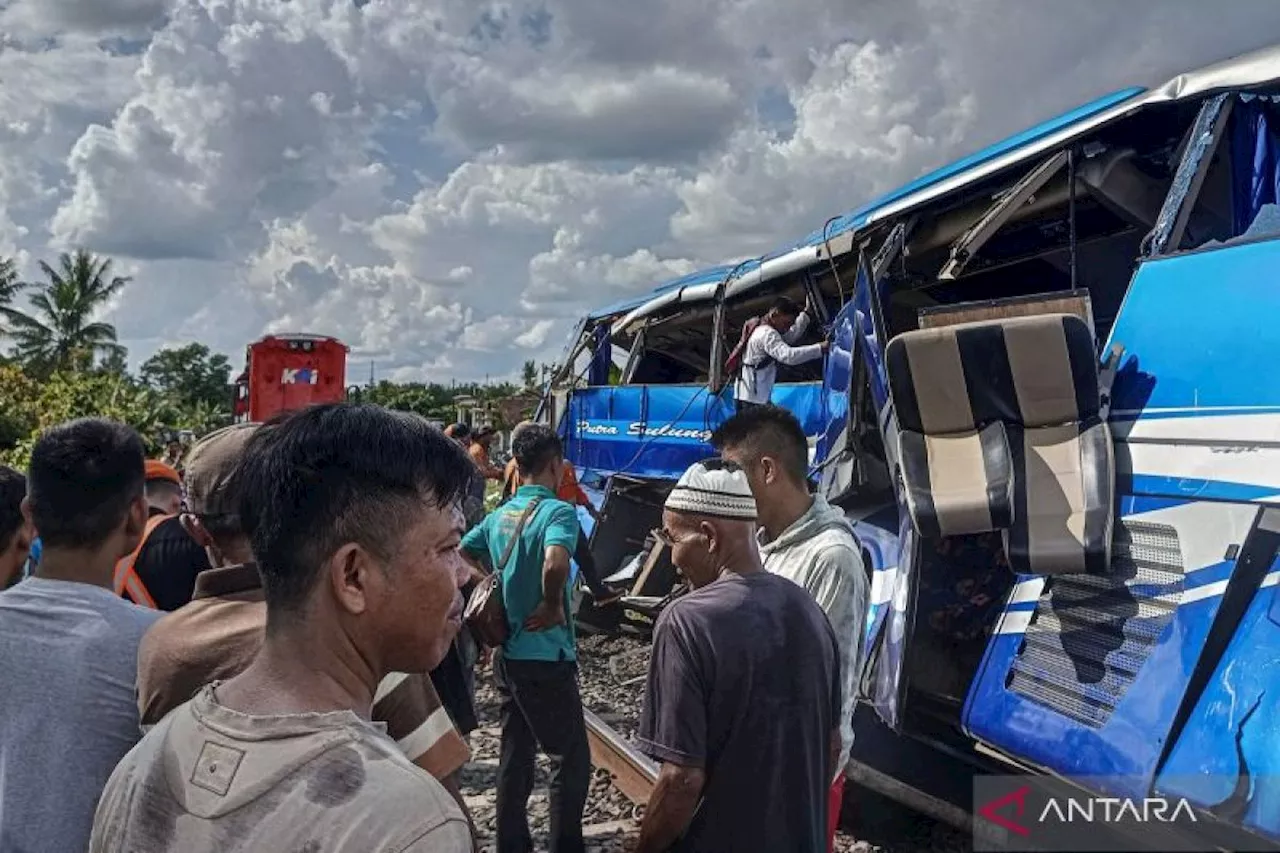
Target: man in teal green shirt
[[536, 671]]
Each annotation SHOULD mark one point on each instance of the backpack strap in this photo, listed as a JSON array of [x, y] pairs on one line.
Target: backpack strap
[[765, 361], [125, 580], [733, 364]]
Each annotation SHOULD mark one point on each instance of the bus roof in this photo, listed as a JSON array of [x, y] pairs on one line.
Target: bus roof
[[1247, 71]]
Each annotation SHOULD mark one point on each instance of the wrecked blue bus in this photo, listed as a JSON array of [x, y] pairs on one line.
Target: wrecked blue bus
[[633, 430], [1056, 437], [636, 397], [1049, 413]]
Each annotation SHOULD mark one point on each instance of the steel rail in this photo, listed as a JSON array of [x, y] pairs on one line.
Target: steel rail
[[631, 772]]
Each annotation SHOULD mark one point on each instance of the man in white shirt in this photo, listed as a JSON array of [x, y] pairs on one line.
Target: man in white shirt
[[773, 342]]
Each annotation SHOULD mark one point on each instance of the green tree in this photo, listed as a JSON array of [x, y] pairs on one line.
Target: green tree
[[19, 408], [190, 376], [431, 401], [29, 406], [10, 284], [529, 374], [116, 362], [59, 332]]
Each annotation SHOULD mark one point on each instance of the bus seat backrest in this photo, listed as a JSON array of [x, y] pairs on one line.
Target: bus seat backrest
[[1000, 426], [956, 469]]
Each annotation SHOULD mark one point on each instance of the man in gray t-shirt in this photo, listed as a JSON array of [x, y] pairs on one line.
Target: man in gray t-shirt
[[68, 644]]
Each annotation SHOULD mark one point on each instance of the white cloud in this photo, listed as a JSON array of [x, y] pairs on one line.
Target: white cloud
[[447, 186], [656, 115], [91, 16]]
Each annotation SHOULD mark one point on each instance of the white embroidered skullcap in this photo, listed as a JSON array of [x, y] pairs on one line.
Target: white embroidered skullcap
[[716, 488]]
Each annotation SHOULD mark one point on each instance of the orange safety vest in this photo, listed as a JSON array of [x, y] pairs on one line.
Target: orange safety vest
[[126, 581]]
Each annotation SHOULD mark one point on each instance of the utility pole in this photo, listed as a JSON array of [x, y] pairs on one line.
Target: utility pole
[[370, 373]]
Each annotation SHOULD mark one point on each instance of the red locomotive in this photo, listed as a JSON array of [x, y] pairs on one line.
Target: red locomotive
[[290, 371]]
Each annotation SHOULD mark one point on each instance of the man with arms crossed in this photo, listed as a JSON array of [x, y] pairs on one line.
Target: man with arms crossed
[[806, 540], [352, 515], [743, 690]]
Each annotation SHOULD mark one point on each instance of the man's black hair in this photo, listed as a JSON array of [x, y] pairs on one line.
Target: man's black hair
[[314, 480], [13, 488], [535, 448], [767, 431], [83, 477], [786, 306]]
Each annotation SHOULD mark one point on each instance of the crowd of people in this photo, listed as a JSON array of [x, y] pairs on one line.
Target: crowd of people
[[267, 649]]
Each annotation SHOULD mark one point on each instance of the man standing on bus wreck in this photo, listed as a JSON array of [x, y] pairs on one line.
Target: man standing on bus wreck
[[743, 696]]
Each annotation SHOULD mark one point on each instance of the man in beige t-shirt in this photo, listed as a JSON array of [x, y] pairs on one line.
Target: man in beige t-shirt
[[352, 514], [219, 633]]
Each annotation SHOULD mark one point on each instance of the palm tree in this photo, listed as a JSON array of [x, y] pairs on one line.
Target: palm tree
[[59, 331], [10, 285]]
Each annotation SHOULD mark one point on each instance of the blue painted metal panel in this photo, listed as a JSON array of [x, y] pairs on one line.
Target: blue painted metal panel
[[836, 376], [1195, 336], [877, 533], [889, 661], [1126, 748], [1233, 735], [660, 430], [852, 323], [1193, 488], [1197, 373]]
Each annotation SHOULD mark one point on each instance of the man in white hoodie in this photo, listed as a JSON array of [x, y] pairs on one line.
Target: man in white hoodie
[[806, 540]]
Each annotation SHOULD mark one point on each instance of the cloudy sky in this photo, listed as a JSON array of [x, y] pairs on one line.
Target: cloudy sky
[[447, 184]]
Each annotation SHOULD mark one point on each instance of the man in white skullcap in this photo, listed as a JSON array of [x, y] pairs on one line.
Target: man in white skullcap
[[743, 696]]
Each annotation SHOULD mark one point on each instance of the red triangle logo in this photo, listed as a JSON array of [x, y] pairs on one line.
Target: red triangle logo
[[991, 811]]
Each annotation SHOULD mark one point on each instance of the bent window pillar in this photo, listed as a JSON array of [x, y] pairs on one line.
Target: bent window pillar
[[634, 355], [972, 241]]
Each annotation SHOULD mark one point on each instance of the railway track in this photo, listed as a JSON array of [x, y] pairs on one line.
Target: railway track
[[632, 772]]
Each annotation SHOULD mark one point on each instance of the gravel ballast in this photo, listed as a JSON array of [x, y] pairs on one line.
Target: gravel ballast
[[612, 679]]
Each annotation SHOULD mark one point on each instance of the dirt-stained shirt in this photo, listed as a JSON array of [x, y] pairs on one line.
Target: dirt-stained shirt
[[219, 633], [208, 779]]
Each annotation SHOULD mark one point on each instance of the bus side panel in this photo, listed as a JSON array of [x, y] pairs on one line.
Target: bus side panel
[[660, 430], [1196, 405], [1085, 676], [1227, 759]]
